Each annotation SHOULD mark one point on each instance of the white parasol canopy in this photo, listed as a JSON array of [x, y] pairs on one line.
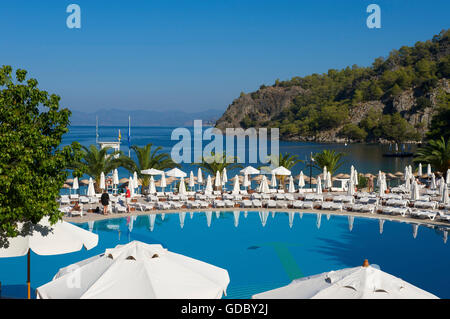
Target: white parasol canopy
[[217, 181], [46, 239], [236, 187], [419, 170], [163, 183], [429, 170], [273, 183], [433, 181], [447, 177], [116, 177], [139, 270], [208, 188], [445, 199], [176, 172], [291, 188], [350, 283], [152, 188], [182, 187], [249, 170], [301, 180], [91, 190], [319, 186], [281, 170], [135, 180], [224, 176], [191, 180], [199, 176], [152, 171], [246, 182], [264, 185], [75, 183], [351, 187], [102, 181], [329, 182], [414, 191]]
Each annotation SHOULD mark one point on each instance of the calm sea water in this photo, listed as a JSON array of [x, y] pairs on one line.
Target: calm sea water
[[365, 158], [259, 258]]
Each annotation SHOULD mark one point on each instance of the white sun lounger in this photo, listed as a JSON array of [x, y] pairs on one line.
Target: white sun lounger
[[265, 196], [423, 204], [326, 205], [228, 203], [282, 204], [192, 204], [337, 206], [423, 214], [227, 196], [256, 196], [237, 197], [271, 203], [402, 211], [246, 203], [297, 204], [279, 196], [368, 208], [256, 203], [219, 204], [308, 204], [289, 196]]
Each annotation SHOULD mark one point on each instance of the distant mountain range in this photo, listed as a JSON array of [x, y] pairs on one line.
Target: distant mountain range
[[114, 117]]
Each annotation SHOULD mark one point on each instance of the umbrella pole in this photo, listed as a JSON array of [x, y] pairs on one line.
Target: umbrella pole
[[28, 273]]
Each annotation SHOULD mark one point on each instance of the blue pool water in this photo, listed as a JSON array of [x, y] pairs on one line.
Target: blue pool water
[[261, 258]]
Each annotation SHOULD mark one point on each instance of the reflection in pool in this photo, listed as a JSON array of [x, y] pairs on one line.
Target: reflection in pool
[[263, 250]]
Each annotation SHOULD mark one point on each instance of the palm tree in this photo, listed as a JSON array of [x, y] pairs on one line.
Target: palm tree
[[286, 160], [436, 153], [329, 158], [146, 158], [217, 162], [94, 161]]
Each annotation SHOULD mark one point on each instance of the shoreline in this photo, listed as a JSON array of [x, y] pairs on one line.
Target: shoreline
[[98, 216]]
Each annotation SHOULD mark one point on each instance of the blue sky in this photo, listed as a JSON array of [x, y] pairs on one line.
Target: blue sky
[[194, 55]]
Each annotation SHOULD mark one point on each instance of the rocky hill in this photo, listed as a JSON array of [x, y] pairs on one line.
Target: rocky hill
[[392, 100]]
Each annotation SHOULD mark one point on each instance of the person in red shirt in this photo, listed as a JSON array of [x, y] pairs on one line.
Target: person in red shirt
[[127, 198]]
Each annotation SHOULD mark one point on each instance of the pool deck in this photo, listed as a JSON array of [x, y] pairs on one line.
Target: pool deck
[[99, 216]]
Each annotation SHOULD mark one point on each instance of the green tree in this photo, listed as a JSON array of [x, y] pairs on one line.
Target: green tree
[[436, 153], [440, 122], [146, 159], [33, 166], [329, 158], [94, 161], [354, 132]]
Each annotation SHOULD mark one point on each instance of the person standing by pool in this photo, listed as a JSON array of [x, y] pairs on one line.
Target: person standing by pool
[[105, 202], [370, 183], [127, 198]]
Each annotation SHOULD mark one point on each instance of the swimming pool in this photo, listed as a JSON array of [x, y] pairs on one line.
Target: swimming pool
[[260, 258]]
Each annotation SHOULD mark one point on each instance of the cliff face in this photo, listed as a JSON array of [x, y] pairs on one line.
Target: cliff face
[[332, 106], [259, 107]]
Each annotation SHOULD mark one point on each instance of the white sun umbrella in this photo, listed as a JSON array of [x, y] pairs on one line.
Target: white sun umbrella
[[444, 198], [182, 187], [176, 172], [366, 282], [152, 188], [329, 182], [429, 170], [447, 180], [138, 270], [152, 171], [75, 183], [351, 187], [236, 187], [102, 180], [324, 173], [135, 180], [208, 217], [379, 178], [408, 183], [191, 180], [301, 181], [116, 177], [291, 188], [249, 170], [319, 186], [236, 218], [163, 183], [91, 190], [441, 185], [355, 177], [224, 176], [406, 174], [208, 189], [265, 185], [433, 181], [414, 191], [419, 170], [281, 170], [130, 186], [263, 216], [381, 188], [246, 181], [217, 181], [273, 183], [46, 239], [199, 176]]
